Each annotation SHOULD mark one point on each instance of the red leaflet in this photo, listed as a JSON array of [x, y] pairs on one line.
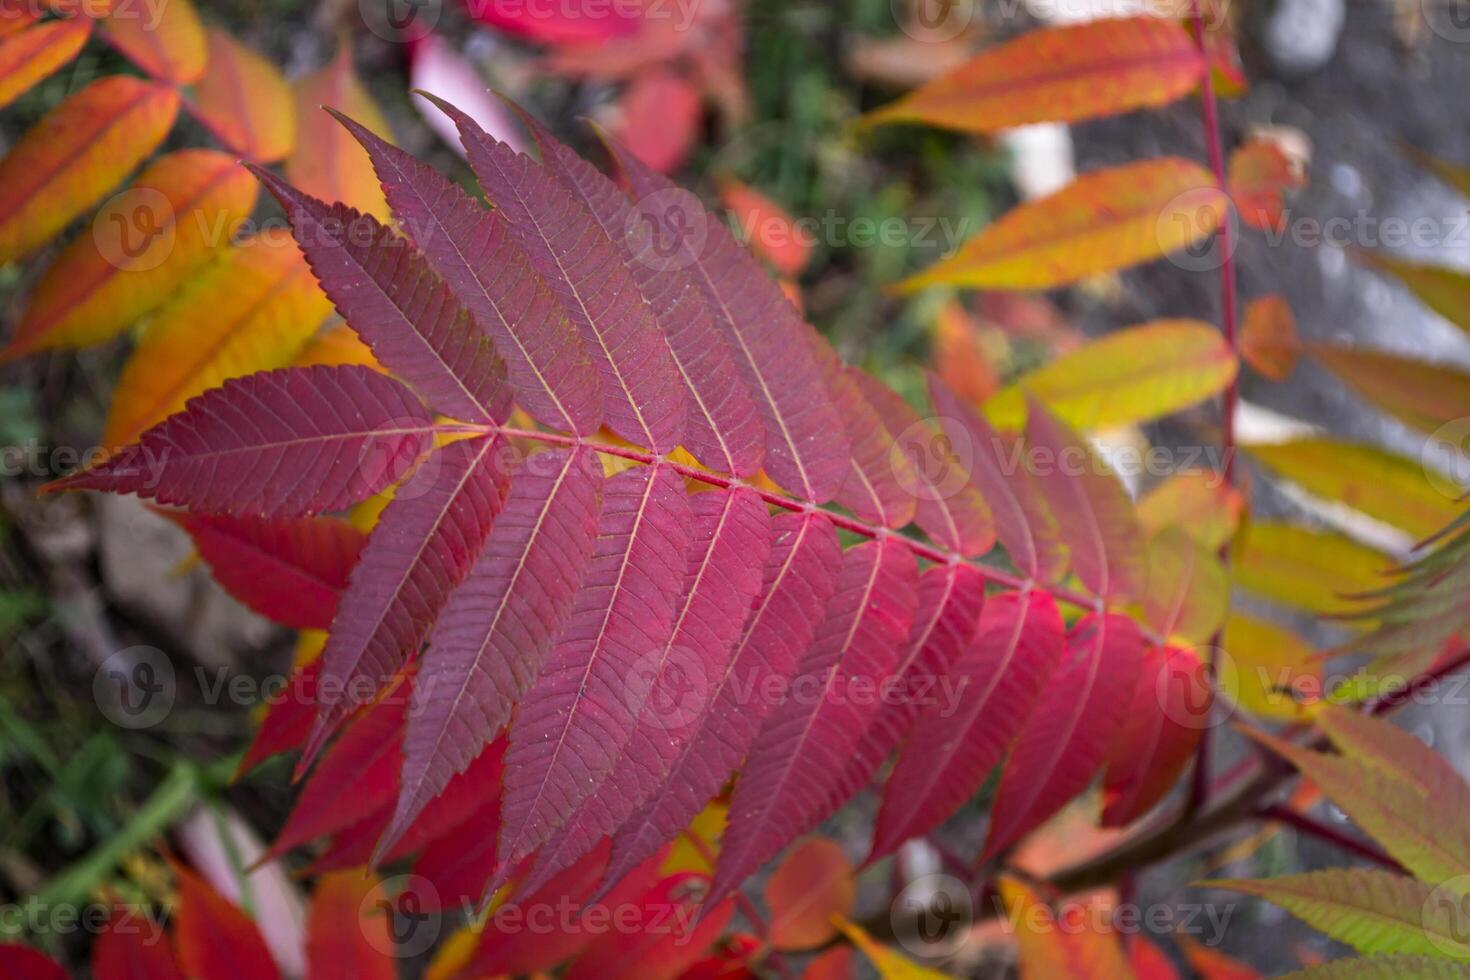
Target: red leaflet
[[672, 686], [347, 936], [473, 251], [572, 725], [1149, 962], [397, 305], [132, 947], [800, 576], [952, 748], [880, 481], [806, 743], [1067, 736], [343, 433], [643, 400], [213, 939], [489, 642], [949, 509], [950, 597], [1171, 707], [358, 773], [660, 939], [578, 21], [288, 719], [806, 450], [25, 963], [421, 549], [722, 428], [290, 570], [1090, 505], [459, 864], [1026, 528]]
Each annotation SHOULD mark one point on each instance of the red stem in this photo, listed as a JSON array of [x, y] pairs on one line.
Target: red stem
[[1199, 789], [932, 553], [1304, 824]]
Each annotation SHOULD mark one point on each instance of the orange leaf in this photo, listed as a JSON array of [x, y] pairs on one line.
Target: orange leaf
[[142, 245], [1060, 74], [79, 8], [347, 932], [1071, 943], [68, 161], [166, 40], [1103, 221], [959, 358], [31, 55], [17, 15], [244, 101], [253, 310], [813, 884], [328, 162], [1199, 501], [1149, 962], [1268, 339], [766, 227], [213, 938], [339, 345], [1261, 174]]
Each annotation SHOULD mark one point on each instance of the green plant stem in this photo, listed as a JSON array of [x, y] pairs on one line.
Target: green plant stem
[[1199, 787]]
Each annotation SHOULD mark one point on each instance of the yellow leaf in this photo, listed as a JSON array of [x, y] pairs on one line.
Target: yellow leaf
[[1188, 589], [1266, 670], [1067, 73], [328, 162], [1312, 570], [338, 345], [253, 310], [1418, 393], [1199, 501], [166, 40], [1102, 222], [699, 845], [33, 54], [1390, 488], [142, 245], [66, 162], [244, 101], [1133, 375], [1444, 290], [890, 963]]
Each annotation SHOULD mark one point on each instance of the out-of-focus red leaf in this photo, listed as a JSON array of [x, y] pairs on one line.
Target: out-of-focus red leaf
[[766, 227], [166, 40], [30, 55], [569, 22], [213, 939], [439, 69], [659, 119], [17, 15], [959, 359], [357, 774], [287, 719], [662, 939], [289, 570], [347, 936], [1261, 175], [133, 947], [1170, 708], [1149, 962], [244, 101], [1268, 339], [834, 964], [66, 162], [24, 963], [1211, 964], [730, 960], [813, 883]]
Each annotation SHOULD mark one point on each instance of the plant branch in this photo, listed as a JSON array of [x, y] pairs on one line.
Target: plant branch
[[934, 553], [1199, 786], [1312, 827]]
